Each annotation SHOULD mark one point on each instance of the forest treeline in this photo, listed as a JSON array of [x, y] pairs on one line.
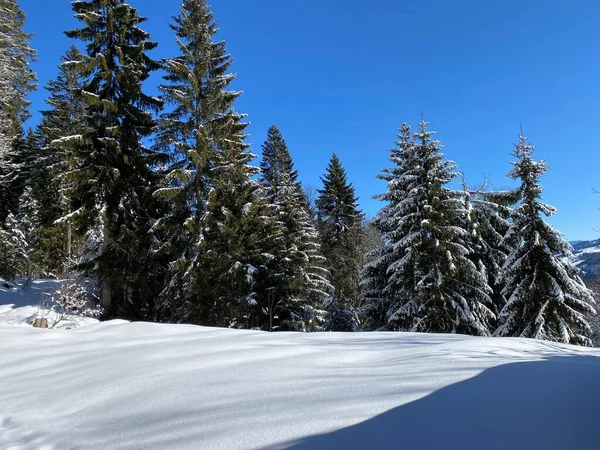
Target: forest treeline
[[157, 203]]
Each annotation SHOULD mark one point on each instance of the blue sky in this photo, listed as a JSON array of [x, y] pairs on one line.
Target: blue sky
[[342, 75]]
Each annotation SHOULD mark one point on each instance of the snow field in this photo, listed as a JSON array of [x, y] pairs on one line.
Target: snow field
[[120, 385]]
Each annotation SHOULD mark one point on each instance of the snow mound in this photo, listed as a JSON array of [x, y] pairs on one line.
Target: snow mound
[[25, 301], [137, 385]]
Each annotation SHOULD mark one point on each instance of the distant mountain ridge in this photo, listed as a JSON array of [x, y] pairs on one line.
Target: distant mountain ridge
[[586, 256]]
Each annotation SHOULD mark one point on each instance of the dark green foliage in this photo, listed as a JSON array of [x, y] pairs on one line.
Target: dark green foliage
[[339, 225], [14, 250], [546, 299], [487, 224], [17, 80], [299, 283], [216, 222], [57, 241], [424, 272], [112, 170]]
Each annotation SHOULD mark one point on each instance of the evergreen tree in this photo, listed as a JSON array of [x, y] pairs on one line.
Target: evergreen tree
[[489, 213], [377, 296], [233, 270], [374, 303], [546, 299], [56, 162], [14, 249], [215, 223], [29, 184], [112, 170], [17, 80], [339, 226], [424, 271], [299, 283]]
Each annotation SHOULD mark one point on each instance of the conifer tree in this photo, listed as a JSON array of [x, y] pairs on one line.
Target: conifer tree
[[215, 223], [339, 225], [112, 170], [546, 298], [489, 214], [299, 281], [56, 162], [233, 268], [17, 80], [424, 271], [14, 249], [377, 296]]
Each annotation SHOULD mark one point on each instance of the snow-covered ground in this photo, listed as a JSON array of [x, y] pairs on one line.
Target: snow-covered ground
[[119, 385], [26, 301]]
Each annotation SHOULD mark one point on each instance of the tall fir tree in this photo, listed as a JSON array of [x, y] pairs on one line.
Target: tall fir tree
[[215, 222], [234, 269], [546, 298], [424, 271], [339, 222], [299, 283], [489, 213], [112, 169], [59, 241], [17, 80]]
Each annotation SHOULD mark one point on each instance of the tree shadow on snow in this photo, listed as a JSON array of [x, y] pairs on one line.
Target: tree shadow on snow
[[549, 404]]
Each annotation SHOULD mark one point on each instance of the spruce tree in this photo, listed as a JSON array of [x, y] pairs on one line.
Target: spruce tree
[[377, 296], [65, 117], [339, 225], [233, 268], [215, 223], [299, 280], [17, 80], [489, 213], [112, 170], [14, 249], [546, 298], [424, 271], [374, 301]]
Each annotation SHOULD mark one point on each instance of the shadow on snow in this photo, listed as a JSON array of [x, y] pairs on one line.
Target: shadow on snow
[[548, 404]]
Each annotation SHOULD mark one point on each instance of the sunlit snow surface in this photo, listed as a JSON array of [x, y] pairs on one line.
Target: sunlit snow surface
[[119, 385]]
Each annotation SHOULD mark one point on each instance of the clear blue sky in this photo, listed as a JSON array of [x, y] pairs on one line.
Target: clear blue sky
[[342, 75]]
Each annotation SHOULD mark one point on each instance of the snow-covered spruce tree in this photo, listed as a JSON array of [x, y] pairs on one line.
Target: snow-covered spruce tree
[[299, 283], [546, 299], [17, 80], [339, 222], [489, 213], [432, 283], [233, 268], [373, 301], [14, 249], [18, 227], [112, 170], [65, 117], [377, 296], [216, 220]]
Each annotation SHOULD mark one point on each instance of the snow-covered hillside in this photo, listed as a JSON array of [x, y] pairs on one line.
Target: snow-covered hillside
[[587, 258], [119, 385]]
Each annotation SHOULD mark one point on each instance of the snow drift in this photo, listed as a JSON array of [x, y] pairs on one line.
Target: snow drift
[[119, 385]]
